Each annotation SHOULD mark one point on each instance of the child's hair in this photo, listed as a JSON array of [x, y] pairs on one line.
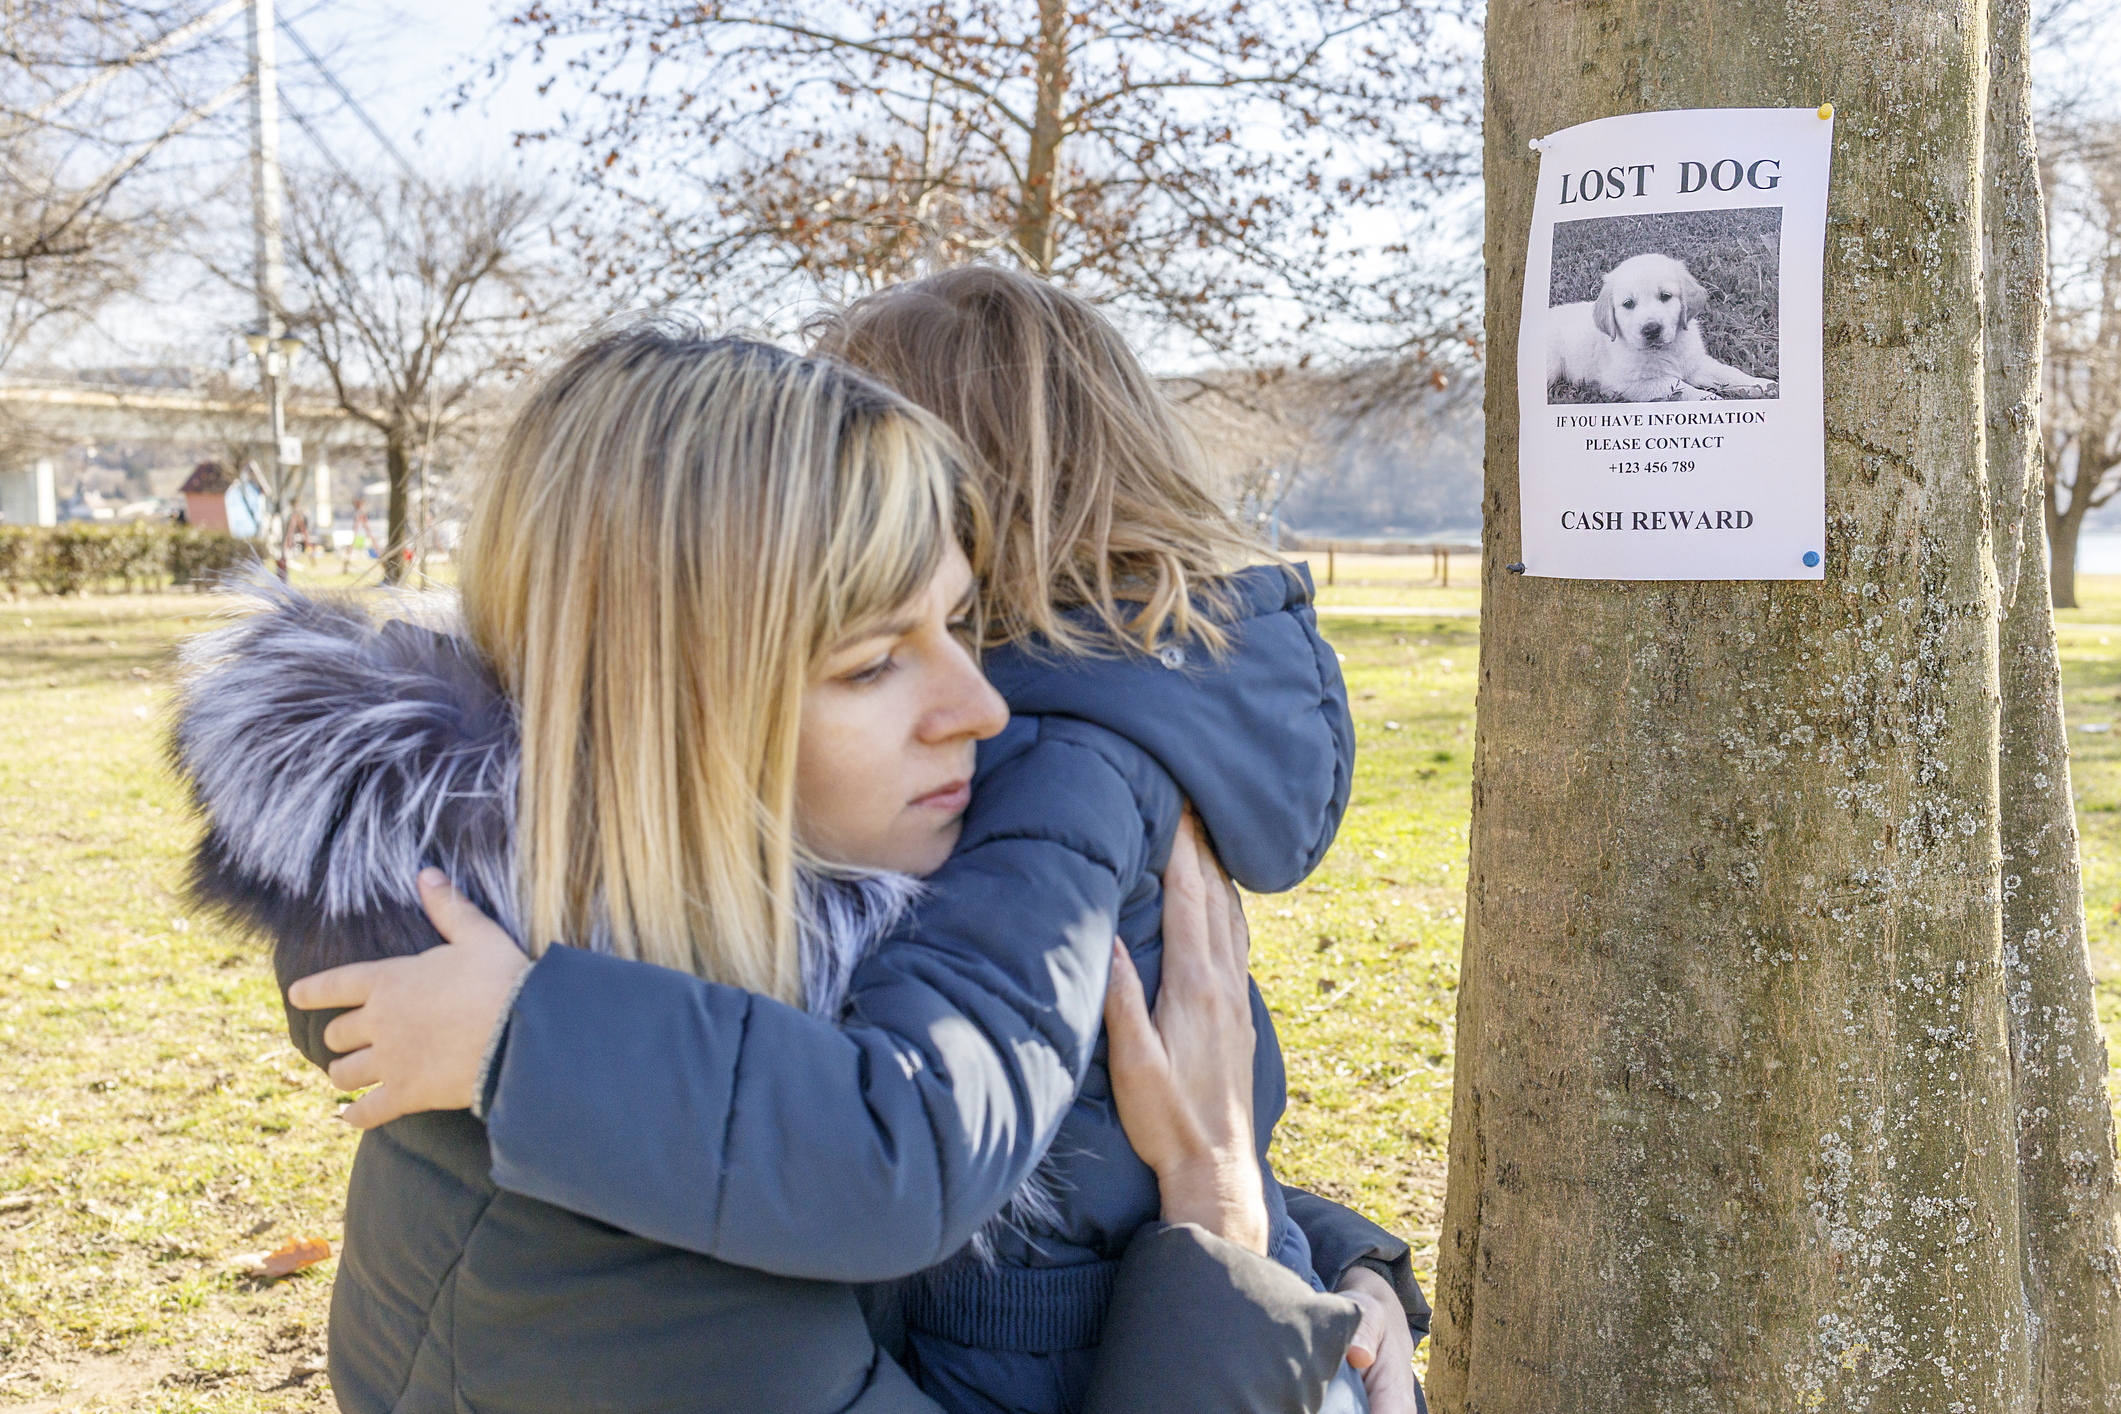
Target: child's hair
[[1096, 489], [672, 533]]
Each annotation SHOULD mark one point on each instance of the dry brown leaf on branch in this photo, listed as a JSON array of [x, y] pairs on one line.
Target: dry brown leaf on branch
[[283, 1261]]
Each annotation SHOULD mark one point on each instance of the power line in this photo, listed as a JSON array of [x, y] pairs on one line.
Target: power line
[[353, 184], [359, 112]]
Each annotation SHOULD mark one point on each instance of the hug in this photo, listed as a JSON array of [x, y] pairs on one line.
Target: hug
[[828, 789]]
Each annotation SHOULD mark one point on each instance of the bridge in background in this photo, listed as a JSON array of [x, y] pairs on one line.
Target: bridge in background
[[90, 412]]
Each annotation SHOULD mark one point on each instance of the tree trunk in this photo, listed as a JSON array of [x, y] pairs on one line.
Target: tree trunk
[[2070, 1224], [1034, 233], [2062, 572], [397, 463], [1733, 1126]]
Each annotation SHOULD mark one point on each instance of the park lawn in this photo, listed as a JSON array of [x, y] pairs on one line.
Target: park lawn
[[1360, 963], [2098, 601], [154, 1122]]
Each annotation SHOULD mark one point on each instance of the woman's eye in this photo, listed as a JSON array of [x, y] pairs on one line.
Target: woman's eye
[[961, 630], [868, 672]]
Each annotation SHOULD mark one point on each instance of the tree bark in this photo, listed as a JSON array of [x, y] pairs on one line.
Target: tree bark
[[1034, 233], [1734, 1117], [397, 464], [2070, 1225]]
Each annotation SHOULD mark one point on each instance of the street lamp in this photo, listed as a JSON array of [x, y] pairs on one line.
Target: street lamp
[[276, 359]]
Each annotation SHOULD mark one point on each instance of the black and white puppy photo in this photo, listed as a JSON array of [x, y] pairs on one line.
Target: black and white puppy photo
[[1674, 307]]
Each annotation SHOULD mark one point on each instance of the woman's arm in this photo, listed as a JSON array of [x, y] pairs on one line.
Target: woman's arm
[[712, 1119]]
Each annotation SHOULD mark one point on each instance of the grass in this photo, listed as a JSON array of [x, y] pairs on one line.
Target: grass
[[153, 1122]]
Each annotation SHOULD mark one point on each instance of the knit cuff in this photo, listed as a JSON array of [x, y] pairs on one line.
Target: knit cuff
[[489, 1063]]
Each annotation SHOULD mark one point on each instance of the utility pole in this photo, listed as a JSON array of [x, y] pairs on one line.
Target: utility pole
[[270, 262]]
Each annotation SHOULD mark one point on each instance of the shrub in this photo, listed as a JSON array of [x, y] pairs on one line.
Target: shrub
[[70, 558], [17, 544], [80, 556], [201, 558]]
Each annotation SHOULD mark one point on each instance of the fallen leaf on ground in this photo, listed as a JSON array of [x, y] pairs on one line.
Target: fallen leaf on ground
[[284, 1261], [16, 1202], [305, 1368]]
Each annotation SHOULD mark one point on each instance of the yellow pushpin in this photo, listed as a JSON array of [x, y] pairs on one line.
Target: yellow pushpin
[[1826, 112]]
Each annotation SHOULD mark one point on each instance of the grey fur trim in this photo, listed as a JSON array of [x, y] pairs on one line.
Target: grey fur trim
[[330, 754], [482, 1085], [334, 755], [843, 917], [1034, 1208]]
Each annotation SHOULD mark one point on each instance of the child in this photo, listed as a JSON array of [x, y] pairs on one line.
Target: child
[[1115, 596], [1146, 669]]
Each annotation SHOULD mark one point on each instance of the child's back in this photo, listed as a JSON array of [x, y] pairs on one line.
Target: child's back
[[1260, 742]]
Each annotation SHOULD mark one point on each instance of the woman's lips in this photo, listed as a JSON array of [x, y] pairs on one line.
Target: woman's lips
[[950, 799]]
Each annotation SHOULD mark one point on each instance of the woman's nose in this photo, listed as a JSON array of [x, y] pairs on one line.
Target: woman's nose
[[968, 706]]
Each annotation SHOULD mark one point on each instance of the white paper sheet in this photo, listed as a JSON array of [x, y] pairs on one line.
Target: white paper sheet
[[1670, 406]]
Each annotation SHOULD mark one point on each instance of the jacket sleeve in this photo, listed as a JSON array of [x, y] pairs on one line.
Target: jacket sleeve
[[1342, 1238], [1198, 1324], [712, 1119]]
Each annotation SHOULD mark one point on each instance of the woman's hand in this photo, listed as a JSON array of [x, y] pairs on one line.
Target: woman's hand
[[1183, 1081], [1383, 1347], [420, 1025]]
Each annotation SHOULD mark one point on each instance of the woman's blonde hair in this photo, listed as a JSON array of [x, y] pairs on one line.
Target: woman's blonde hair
[[1096, 489], [672, 533]]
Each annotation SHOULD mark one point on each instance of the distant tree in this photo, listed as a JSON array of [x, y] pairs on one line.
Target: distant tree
[[1275, 433], [88, 94], [1245, 171], [413, 297], [2081, 412], [1262, 431]]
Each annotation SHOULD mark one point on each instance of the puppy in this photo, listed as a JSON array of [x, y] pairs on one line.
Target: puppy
[[1641, 338]]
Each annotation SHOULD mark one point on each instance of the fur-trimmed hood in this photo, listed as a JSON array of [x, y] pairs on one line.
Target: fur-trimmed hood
[[333, 755]]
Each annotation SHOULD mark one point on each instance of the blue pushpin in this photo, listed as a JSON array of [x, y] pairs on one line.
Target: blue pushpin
[[1811, 559]]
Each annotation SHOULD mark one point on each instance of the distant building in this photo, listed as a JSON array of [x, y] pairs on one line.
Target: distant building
[[214, 499], [205, 494], [26, 495]]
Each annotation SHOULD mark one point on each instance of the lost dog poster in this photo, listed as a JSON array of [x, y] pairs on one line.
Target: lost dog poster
[[1668, 365]]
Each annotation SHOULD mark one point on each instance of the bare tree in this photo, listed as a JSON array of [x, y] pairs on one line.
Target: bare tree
[[414, 296], [1261, 431], [2081, 413], [88, 95], [1194, 162]]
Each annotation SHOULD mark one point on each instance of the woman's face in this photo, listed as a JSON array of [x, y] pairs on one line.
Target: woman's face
[[884, 753]]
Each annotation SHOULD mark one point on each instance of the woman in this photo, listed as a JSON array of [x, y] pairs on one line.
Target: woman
[[631, 681], [1146, 666]]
